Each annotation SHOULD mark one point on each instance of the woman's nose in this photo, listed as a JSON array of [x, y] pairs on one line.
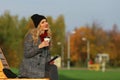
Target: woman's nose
[[47, 23]]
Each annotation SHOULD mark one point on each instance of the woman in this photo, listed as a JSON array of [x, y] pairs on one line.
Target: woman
[[36, 51]]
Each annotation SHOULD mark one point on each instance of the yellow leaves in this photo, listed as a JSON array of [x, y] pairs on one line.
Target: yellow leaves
[[101, 41]]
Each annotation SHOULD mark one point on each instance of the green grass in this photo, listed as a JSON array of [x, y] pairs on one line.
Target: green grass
[[82, 74], [89, 75]]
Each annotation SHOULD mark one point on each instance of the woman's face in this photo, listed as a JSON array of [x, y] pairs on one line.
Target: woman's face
[[44, 25]]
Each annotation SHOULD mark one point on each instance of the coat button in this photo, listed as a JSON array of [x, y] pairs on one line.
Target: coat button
[[38, 63], [40, 55]]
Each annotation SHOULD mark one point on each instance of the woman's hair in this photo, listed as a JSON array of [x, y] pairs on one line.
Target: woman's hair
[[36, 33]]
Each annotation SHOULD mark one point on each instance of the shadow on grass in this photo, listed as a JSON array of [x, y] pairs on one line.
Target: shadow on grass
[[63, 77]]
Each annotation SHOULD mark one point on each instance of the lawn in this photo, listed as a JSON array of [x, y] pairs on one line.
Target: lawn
[[83, 74], [79, 74]]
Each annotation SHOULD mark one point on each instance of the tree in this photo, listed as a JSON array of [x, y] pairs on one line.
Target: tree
[[11, 38]]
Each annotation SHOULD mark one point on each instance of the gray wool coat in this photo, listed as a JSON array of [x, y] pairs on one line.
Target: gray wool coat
[[34, 60]]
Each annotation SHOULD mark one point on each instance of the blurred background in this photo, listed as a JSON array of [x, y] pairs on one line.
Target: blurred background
[[82, 30]]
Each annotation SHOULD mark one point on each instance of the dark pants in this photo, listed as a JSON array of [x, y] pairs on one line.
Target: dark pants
[[9, 73], [51, 72]]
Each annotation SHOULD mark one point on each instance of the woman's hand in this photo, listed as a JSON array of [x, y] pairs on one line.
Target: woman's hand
[[43, 44], [52, 62]]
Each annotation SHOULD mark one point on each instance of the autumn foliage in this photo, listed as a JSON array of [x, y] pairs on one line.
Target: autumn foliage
[[101, 41]]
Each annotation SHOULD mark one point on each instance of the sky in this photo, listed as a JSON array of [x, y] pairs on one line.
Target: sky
[[76, 13]]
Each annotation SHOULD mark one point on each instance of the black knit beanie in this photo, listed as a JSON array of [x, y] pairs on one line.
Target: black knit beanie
[[36, 18]]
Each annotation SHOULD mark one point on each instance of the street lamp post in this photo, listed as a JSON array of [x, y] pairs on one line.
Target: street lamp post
[[88, 50], [68, 56], [62, 53], [68, 61]]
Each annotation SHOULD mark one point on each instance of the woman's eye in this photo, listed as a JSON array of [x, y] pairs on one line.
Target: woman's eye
[[42, 22]]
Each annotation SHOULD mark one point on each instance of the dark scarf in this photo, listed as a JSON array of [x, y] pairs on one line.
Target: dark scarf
[[42, 36]]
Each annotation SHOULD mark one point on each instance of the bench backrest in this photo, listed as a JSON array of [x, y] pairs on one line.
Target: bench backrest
[[3, 64], [3, 59]]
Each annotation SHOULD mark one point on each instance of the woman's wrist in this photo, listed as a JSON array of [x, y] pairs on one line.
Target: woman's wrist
[[39, 46]]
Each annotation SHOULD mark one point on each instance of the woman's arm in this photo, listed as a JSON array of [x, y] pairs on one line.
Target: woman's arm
[[30, 49]]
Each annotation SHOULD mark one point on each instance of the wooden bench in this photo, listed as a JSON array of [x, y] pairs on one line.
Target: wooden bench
[[22, 79], [95, 67], [4, 64]]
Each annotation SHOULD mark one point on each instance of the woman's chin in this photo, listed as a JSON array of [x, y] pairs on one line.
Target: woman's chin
[[46, 29]]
